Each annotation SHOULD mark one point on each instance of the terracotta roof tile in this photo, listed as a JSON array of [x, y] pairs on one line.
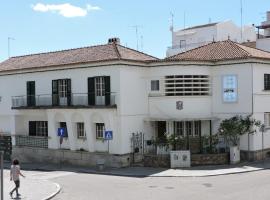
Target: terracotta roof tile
[[220, 51], [98, 53]]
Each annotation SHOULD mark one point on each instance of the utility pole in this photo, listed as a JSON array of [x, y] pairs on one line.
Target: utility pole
[[9, 39]]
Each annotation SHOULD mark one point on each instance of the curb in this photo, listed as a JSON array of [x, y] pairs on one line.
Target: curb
[[53, 194]]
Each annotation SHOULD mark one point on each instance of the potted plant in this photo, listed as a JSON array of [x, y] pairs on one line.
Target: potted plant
[[233, 128]]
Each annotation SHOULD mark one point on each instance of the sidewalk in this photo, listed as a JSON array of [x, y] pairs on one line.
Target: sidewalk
[[201, 171], [31, 188]]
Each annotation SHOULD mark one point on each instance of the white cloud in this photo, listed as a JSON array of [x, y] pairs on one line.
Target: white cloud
[[66, 10]]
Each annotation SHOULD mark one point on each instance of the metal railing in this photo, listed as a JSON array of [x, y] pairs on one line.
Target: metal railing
[[31, 141], [74, 99], [196, 144]]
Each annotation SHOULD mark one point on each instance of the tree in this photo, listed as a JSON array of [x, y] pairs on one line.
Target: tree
[[236, 126]]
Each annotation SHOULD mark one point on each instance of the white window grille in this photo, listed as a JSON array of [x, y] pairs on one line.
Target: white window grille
[[179, 128], [80, 130], [187, 85], [100, 129], [100, 86], [41, 128], [62, 88], [197, 128]]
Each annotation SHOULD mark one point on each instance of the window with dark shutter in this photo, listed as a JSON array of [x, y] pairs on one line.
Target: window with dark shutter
[[32, 128], [266, 81], [69, 92], [107, 90], [55, 96], [91, 91], [31, 92]]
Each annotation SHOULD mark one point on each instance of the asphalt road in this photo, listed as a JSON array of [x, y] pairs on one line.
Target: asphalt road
[[245, 186]]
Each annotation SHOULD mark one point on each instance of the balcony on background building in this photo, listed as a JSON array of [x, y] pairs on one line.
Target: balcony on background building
[[74, 100]]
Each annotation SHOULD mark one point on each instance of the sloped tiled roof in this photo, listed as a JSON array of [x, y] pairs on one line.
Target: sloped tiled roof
[[220, 51], [107, 52]]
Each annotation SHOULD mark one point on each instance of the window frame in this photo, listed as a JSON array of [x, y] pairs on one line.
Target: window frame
[[266, 82], [41, 128], [155, 85], [267, 119], [229, 88], [80, 130], [179, 128], [100, 130]]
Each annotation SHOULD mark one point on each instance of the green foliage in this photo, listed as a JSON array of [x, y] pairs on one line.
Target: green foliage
[[236, 126]]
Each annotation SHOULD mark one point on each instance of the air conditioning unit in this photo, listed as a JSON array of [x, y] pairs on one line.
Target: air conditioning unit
[[180, 159]]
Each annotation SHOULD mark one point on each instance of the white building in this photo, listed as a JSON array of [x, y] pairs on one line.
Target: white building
[[263, 41], [109, 87], [193, 37]]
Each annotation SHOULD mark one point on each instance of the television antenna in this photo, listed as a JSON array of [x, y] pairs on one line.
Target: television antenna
[[136, 27]]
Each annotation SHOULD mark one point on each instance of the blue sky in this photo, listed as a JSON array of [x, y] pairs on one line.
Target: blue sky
[[46, 25]]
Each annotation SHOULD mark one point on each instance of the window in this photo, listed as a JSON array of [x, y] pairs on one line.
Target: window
[[189, 128], [182, 43], [179, 128], [100, 86], [230, 88], [62, 88], [38, 128], [187, 85], [266, 81], [154, 85], [80, 130], [267, 119], [197, 128], [100, 129]]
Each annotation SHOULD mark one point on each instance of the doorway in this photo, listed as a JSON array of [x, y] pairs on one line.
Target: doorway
[[161, 130]]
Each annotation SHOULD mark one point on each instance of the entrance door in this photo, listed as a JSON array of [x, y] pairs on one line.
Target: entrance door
[[161, 129], [31, 92]]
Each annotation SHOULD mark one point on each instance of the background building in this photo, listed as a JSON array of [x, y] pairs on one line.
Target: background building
[[193, 37]]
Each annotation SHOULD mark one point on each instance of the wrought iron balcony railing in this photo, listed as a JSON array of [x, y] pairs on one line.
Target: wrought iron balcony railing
[[68, 100]]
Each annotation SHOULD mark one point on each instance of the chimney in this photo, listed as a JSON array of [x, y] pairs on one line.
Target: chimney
[[114, 40]]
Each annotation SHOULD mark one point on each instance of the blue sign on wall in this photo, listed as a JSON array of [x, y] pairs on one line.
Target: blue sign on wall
[[108, 135], [62, 132]]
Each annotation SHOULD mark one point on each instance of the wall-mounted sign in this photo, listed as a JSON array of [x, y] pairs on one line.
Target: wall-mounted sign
[[179, 105], [108, 135], [229, 84], [62, 132]]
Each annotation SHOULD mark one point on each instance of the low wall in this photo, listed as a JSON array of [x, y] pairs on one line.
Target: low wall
[[157, 161], [254, 155], [77, 158], [196, 159], [209, 159]]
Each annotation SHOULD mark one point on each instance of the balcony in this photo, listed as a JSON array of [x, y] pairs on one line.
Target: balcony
[[74, 100]]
